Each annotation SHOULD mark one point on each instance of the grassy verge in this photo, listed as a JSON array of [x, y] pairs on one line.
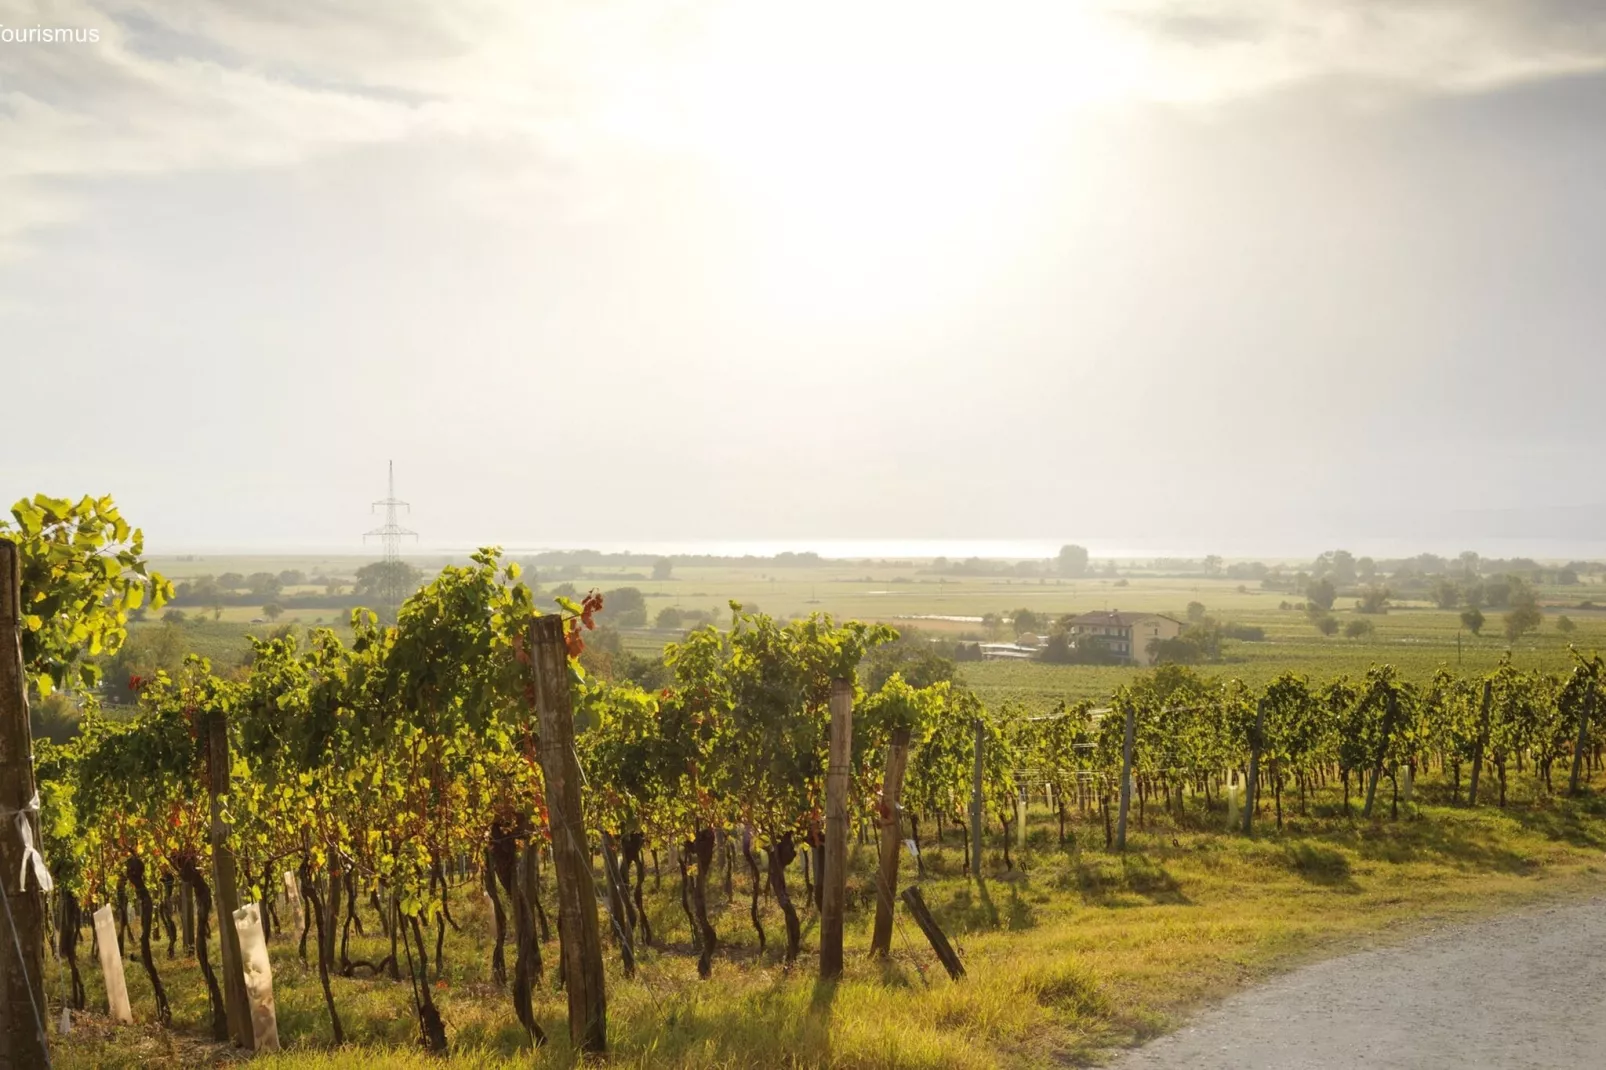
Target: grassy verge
[[1082, 952]]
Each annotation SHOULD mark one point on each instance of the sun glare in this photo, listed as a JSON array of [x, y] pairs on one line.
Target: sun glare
[[870, 163]]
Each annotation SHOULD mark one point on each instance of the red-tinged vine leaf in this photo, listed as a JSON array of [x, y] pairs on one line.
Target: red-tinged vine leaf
[[590, 607]]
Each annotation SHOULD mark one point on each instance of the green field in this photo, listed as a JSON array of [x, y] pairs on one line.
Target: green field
[[1412, 636]]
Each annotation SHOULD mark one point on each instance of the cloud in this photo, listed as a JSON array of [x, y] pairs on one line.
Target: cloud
[[1209, 52], [174, 86]]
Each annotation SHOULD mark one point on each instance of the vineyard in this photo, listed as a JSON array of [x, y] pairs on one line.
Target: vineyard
[[430, 856]]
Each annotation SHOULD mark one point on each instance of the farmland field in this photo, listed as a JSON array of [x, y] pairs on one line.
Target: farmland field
[[1412, 636]]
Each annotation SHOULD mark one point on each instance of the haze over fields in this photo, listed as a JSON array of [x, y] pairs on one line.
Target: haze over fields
[[1220, 277]]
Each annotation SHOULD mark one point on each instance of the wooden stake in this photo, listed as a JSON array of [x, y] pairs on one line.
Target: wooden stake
[[236, 1000], [22, 981], [1477, 744], [1253, 779], [1020, 818], [834, 895], [1583, 738], [1126, 775], [977, 806], [581, 946], [616, 905], [928, 925], [1389, 710], [891, 840]]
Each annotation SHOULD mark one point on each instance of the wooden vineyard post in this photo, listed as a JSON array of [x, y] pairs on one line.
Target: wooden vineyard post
[[1253, 776], [1583, 737], [1477, 744], [1127, 744], [236, 1001], [1020, 817], [1390, 709], [834, 896], [976, 804], [928, 925], [891, 840], [22, 978], [617, 913], [581, 945]]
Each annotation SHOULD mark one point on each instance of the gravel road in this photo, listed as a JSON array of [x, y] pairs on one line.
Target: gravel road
[[1520, 990]]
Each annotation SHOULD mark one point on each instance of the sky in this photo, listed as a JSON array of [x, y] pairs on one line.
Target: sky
[[1234, 276]]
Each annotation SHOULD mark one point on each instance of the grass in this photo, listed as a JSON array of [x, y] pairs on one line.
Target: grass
[[1077, 952]]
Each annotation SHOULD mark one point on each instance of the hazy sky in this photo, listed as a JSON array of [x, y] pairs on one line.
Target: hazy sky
[[1243, 275]]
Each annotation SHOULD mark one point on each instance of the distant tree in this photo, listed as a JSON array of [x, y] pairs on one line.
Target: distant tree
[[1472, 620], [173, 616], [199, 589], [1343, 568], [992, 624], [333, 586], [54, 717], [565, 590], [1469, 563], [1565, 625], [1497, 592], [1366, 570], [1446, 593], [662, 568], [231, 581], [912, 656], [1325, 623], [217, 610], [1198, 642], [1024, 621], [1212, 565], [273, 611], [263, 584], [1566, 577], [1524, 615], [626, 607], [669, 617], [1321, 593], [147, 652], [1374, 599], [1358, 629], [292, 577], [1072, 560], [1196, 611], [1058, 650], [387, 583]]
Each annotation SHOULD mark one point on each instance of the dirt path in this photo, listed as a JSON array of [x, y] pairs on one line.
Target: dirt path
[[1522, 990]]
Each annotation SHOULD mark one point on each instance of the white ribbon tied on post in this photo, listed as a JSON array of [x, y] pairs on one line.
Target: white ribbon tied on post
[[30, 854]]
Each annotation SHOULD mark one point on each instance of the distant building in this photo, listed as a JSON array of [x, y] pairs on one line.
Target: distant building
[[1006, 652], [1127, 635]]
